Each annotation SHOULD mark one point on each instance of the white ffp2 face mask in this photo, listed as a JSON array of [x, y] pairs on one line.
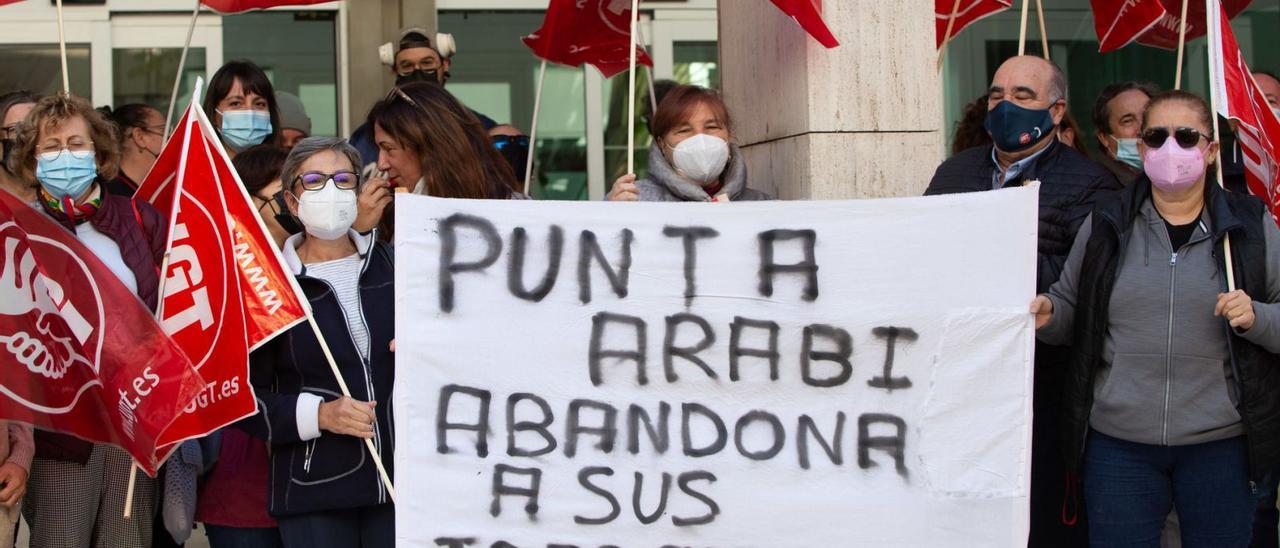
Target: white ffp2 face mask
[[701, 158], [329, 212]]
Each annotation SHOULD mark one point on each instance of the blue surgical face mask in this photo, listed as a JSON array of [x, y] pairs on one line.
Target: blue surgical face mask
[[1014, 128], [1127, 152], [245, 128], [65, 173]]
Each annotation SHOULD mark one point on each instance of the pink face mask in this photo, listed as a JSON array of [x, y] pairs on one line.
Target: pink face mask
[[1172, 168]]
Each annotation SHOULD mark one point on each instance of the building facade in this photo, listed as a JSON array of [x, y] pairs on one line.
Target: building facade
[[123, 51]]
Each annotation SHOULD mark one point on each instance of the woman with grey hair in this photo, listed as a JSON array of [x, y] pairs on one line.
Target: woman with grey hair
[[325, 488]]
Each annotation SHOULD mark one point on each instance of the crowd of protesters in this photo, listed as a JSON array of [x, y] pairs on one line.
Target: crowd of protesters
[[1157, 393]]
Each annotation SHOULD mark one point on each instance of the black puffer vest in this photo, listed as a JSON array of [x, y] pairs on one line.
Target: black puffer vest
[[1257, 372]]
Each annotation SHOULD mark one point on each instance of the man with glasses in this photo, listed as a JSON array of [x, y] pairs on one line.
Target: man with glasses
[[1027, 103], [416, 59]]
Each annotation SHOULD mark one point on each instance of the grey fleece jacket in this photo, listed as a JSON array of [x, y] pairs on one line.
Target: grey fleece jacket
[[1169, 379], [663, 184]]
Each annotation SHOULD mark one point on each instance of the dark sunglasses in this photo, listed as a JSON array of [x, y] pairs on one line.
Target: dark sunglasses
[[503, 141], [315, 180], [1186, 137]]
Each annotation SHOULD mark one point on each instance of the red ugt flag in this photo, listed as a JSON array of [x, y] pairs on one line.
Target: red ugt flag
[[237, 6], [809, 14], [1153, 23], [967, 12], [595, 32], [81, 353], [1237, 97], [225, 291]]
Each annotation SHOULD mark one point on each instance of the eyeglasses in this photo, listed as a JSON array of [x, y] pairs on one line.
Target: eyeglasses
[[271, 201], [503, 141], [9, 131], [315, 180], [408, 68], [52, 150], [1186, 137], [154, 130]]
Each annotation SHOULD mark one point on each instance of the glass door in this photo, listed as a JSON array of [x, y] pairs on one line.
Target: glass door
[[145, 50]]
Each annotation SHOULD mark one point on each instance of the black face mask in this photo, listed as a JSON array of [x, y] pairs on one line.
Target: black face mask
[[285, 219], [515, 150], [431, 76]]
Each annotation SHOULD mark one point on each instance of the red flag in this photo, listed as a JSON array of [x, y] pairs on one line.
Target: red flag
[[967, 12], [225, 290], [82, 354], [1153, 23], [5, 2], [809, 14], [1237, 97], [595, 32], [237, 6]]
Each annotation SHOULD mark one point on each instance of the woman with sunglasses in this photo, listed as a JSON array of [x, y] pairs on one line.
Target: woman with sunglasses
[[140, 129], [429, 143], [77, 488], [1171, 393], [325, 488]]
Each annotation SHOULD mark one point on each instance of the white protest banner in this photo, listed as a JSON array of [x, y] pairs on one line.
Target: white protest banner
[[774, 374]]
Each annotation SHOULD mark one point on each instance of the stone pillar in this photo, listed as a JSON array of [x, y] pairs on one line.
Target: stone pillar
[[863, 120], [371, 23]]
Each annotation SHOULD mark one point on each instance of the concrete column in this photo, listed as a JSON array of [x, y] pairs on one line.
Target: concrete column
[[862, 120], [371, 23]]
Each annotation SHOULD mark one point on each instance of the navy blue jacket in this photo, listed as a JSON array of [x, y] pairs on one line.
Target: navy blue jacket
[[1070, 184], [334, 471]]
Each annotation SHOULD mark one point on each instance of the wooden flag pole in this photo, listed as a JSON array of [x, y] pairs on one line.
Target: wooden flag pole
[[1213, 36], [1022, 32], [653, 95], [1044, 36], [631, 91], [164, 269], [182, 63], [62, 48], [533, 128], [1182, 47], [946, 38]]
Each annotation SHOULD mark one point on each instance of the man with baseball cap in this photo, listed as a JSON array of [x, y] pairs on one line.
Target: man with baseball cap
[[414, 58]]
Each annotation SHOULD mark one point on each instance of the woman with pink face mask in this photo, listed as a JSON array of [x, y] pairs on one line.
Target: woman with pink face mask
[[1170, 399]]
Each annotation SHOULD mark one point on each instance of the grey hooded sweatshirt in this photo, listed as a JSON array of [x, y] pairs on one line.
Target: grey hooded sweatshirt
[[1169, 378], [663, 184]]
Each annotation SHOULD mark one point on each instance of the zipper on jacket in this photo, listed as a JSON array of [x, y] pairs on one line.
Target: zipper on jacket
[[1168, 352], [309, 452], [364, 363]]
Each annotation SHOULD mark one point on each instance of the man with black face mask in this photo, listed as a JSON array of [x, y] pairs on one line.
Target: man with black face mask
[[1026, 104], [416, 59]]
